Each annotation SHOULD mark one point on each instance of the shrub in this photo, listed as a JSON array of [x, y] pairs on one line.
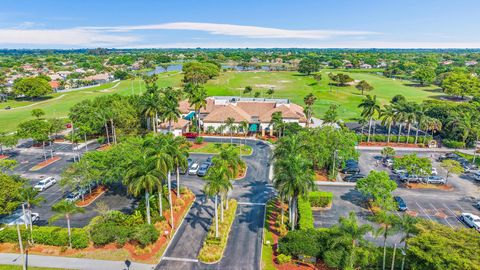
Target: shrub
[[145, 234], [282, 258], [302, 242], [305, 214], [103, 233], [199, 140], [320, 198], [53, 236], [453, 144]]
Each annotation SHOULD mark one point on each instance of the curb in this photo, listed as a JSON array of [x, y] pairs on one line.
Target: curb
[[338, 184]]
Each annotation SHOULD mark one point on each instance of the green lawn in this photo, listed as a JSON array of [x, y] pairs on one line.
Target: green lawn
[[286, 84], [214, 148], [15, 267]]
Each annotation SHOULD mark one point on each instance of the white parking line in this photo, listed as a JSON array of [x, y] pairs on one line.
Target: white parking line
[[425, 212], [449, 223], [460, 208], [434, 208], [453, 213], [250, 203], [180, 259]]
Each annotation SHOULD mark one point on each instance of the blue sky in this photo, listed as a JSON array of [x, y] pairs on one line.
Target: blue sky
[[240, 23]]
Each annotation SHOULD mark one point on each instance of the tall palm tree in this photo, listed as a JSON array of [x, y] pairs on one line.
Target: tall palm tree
[[293, 173], [215, 179], [197, 98], [399, 117], [244, 127], [66, 209], [277, 123], [407, 225], [388, 226], [431, 124], [233, 159], [387, 115], [144, 177], [410, 110], [350, 233], [168, 106], [28, 195], [229, 123], [421, 117], [179, 154], [150, 104], [370, 108], [309, 100]]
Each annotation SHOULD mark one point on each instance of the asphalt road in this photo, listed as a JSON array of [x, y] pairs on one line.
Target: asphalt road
[[245, 240]]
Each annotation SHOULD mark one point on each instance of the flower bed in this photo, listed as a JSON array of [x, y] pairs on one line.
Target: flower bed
[[446, 187], [113, 251], [104, 147], [3, 156], [91, 197], [45, 163], [213, 248]]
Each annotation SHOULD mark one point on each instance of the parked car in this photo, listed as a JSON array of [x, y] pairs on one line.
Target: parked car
[[434, 171], [353, 177], [410, 178], [476, 176], [351, 162], [209, 161], [203, 169], [190, 135], [193, 169], [73, 196], [435, 179], [472, 221], [388, 162], [402, 206], [477, 205], [189, 163], [399, 171], [448, 156], [18, 217], [45, 183]]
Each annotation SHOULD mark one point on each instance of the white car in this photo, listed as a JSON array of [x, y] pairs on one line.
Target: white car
[[476, 176], [193, 169], [471, 220], [45, 183], [434, 171], [19, 218], [399, 171]]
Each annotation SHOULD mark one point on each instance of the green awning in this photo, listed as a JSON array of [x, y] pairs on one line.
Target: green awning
[[253, 128], [189, 116]]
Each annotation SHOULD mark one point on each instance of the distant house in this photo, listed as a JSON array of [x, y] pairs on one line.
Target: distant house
[[257, 112], [365, 66], [471, 63], [177, 128], [99, 78], [349, 65], [55, 85], [446, 63]]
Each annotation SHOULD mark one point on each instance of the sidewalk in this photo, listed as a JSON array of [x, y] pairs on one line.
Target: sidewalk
[[70, 263], [440, 149]]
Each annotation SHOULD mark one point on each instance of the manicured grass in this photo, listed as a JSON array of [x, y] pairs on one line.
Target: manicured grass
[[286, 85], [267, 250], [214, 148], [58, 104], [213, 248], [18, 267], [469, 157]]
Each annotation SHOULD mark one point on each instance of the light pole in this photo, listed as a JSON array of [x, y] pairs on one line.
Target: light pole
[[334, 158], [20, 244]]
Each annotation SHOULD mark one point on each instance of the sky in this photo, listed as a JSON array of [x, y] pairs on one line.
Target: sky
[[70, 24]]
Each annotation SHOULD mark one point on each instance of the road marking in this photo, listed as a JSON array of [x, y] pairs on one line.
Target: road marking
[[449, 223], [453, 213], [423, 210], [463, 211], [250, 203], [180, 259]]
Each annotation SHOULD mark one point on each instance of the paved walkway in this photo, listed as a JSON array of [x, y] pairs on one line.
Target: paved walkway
[[70, 263]]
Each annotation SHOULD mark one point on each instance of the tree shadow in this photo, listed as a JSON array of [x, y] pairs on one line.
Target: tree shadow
[[355, 197], [414, 85]]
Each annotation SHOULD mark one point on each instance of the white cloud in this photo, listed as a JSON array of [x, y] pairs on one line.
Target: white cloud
[[239, 30]]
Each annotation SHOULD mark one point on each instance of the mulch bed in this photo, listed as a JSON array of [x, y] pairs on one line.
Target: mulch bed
[[323, 176], [446, 187], [3, 156], [242, 172], [410, 145], [104, 147], [91, 197], [198, 145], [295, 264], [149, 254], [45, 163]]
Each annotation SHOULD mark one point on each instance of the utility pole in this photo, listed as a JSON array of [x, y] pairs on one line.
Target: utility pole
[[20, 244], [393, 257], [334, 158]]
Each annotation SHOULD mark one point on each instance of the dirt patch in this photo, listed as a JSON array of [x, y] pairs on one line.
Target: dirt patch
[[446, 187], [392, 144], [242, 172], [267, 86], [91, 197], [284, 81], [104, 147], [45, 163], [323, 176]]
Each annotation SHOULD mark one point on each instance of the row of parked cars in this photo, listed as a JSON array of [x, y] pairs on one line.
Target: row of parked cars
[[201, 169], [352, 171]]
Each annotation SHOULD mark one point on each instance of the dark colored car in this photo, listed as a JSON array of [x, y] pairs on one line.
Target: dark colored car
[[351, 170], [209, 161], [402, 206], [353, 177], [202, 171], [190, 135]]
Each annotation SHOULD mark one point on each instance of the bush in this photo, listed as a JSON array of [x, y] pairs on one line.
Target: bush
[[145, 234], [302, 242], [305, 214], [53, 236], [103, 233], [453, 144], [199, 140], [320, 198], [282, 258]]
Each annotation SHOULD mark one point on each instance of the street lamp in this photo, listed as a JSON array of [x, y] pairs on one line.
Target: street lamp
[[335, 153]]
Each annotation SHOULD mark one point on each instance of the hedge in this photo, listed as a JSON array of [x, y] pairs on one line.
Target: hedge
[[320, 198], [305, 214], [453, 144], [53, 236], [394, 138]]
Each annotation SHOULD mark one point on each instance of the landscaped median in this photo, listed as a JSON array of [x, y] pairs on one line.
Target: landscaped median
[[214, 148], [213, 247], [45, 163]]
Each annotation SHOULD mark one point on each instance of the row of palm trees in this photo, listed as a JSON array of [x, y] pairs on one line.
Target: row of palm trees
[[401, 113]]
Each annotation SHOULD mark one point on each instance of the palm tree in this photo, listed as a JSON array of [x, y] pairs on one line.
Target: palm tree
[[28, 195], [229, 123], [293, 173], [431, 124], [168, 107], [66, 209], [215, 178], [410, 115], [421, 117], [309, 100], [197, 98], [388, 226], [370, 107], [179, 154], [231, 156], [144, 177], [387, 115], [407, 225], [270, 92], [277, 122], [244, 127], [350, 233], [150, 107]]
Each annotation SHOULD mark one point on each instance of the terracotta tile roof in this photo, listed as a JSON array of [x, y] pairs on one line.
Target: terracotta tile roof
[[175, 125], [185, 107], [54, 84], [221, 113], [256, 108]]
